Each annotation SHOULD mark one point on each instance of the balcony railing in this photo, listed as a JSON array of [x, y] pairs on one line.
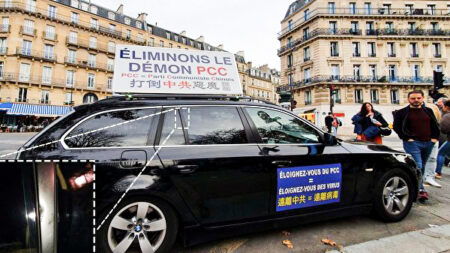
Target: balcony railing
[[86, 44], [392, 55], [359, 79], [33, 10], [357, 54], [21, 100], [3, 50], [5, 28], [437, 55], [28, 53], [372, 55], [371, 32], [360, 11], [27, 30], [49, 36], [87, 64], [415, 55]]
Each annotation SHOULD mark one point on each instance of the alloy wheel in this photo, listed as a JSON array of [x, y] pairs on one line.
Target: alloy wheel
[[395, 195]]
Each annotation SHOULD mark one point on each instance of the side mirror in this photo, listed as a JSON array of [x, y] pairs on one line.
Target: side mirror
[[329, 140]]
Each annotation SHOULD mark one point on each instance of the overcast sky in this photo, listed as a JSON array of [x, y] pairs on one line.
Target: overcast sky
[[248, 25]]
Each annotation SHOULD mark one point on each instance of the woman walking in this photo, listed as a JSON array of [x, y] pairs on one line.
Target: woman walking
[[444, 150], [367, 124]]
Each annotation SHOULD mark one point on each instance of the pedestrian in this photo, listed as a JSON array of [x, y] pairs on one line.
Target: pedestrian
[[418, 128], [334, 125], [367, 124], [329, 122], [444, 150], [45, 123], [431, 165], [440, 103]]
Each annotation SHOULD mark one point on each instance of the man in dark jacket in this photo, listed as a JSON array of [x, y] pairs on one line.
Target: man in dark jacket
[[417, 126], [329, 121]]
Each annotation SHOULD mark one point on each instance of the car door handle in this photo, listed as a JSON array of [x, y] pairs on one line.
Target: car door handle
[[186, 168], [282, 163]]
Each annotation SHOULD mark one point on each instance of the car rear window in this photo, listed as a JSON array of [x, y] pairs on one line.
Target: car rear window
[[123, 128], [214, 125]]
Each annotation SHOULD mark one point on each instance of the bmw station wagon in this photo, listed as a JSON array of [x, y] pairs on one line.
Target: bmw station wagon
[[198, 168]]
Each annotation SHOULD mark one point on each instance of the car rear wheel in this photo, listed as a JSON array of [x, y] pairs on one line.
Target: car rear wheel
[[393, 196], [139, 225]]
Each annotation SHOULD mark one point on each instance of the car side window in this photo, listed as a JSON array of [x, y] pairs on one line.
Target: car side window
[[214, 125], [278, 127], [123, 128], [172, 130]]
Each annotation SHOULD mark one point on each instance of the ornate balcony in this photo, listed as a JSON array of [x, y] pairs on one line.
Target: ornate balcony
[[28, 53], [76, 62]]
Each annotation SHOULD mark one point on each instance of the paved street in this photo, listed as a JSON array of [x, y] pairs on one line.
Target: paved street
[[307, 238]]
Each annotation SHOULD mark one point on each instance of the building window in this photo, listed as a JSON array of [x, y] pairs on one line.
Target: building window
[[416, 72], [50, 32], [331, 7], [73, 37], [358, 96], [387, 8], [352, 8], [337, 96], [112, 28], [437, 50], [432, 9], [289, 60], [308, 100], [289, 27], [22, 98], [409, 8], [372, 49], [438, 68], [335, 72], [51, 11], [68, 100], [46, 75], [74, 17], [414, 50], [71, 56], [289, 42], [91, 60], [93, 9], [24, 74], [334, 48], [370, 28], [138, 24], [389, 27], [170, 45], [127, 20], [357, 72], [30, 5], [94, 23], [356, 49], [28, 27], [89, 98], [291, 79], [91, 80], [111, 47], [374, 99], [48, 52], [168, 35], [128, 34], [26, 47], [392, 73], [333, 27], [306, 33], [306, 14], [367, 8], [354, 27], [306, 53], [391, 49], [3, 47], [435, 27], [394, 97], [111, 15], [93, 42], [84, 6], [74, 3], [110, 64], [307, 75], [161, 43], [2, 65], [412, 27], [373, 72], [70, 78], [151, 42], [45, 97], [109, 83]]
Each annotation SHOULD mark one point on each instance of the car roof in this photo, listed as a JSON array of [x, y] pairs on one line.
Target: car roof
[[133, 101]]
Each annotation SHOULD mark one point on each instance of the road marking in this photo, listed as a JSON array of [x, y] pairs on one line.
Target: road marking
[[228, 246]]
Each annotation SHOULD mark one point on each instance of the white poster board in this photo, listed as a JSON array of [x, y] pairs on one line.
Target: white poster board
[[151, 70]]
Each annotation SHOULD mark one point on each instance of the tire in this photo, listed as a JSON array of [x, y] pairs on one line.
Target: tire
[[136, 229], [392, 202]]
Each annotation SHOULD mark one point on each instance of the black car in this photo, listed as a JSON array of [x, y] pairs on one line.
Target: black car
[[200, 168]]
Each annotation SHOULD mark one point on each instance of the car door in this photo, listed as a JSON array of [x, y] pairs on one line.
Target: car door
[[306, 174], [214, 163]]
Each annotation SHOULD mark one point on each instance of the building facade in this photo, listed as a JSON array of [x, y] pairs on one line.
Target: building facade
[[369, 51], [61, 52]]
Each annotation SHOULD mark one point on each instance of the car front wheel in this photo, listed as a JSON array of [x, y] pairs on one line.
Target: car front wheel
[[393, 196], [139, 225]]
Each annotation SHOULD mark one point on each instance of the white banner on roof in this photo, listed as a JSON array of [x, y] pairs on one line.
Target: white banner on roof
[[140, 69]]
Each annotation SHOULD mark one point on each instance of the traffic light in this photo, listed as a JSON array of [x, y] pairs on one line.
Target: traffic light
[[438, 80], [285, 96]]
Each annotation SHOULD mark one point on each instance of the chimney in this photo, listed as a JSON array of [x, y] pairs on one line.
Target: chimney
[[220, 46], [183, 33], [201, 39], [120, 9], [142, 17], [241, 54]]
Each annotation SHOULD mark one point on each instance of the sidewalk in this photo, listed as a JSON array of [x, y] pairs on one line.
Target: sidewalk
[[435, 239]]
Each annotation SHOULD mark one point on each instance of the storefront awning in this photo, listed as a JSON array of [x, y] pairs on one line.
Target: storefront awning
[[39, 110], [5, 106]]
